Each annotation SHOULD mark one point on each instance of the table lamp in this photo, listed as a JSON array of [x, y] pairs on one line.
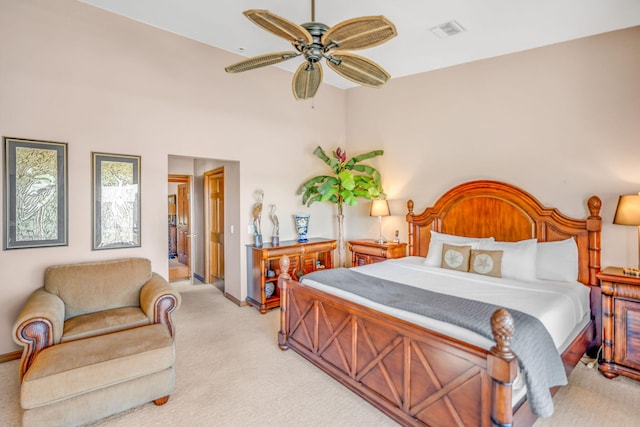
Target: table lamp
[[628, 213], [380, 208]]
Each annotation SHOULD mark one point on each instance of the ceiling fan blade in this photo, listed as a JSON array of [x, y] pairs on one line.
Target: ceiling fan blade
[[360, 33], [260, 61], [278, 26], [306, 80], [358, 69]]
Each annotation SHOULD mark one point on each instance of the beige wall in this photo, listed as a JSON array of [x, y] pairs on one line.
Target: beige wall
[[559, 121], [74, 73], [562, 122]]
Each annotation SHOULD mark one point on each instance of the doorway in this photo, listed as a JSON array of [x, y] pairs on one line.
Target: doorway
[[179, 246], [214, 226]]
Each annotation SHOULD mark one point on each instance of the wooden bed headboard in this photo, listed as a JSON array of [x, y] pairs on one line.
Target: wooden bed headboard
[[508, 213]]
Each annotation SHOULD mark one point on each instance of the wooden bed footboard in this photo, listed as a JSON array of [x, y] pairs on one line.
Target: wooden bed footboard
[[415, 376]]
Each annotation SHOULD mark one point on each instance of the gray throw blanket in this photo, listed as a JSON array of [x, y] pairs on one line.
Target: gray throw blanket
[[537, 355]]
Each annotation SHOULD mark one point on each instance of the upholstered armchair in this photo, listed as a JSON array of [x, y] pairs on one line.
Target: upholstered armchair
[[89, 299]]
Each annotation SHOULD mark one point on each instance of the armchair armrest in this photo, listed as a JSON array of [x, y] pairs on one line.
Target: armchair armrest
[[39, 325], [158, 300]]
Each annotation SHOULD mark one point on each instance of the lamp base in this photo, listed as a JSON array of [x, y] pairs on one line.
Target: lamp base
[[381, 239]]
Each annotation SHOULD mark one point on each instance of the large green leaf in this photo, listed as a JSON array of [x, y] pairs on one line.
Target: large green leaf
[[315, 198], [309, 194], [362, 193], [329, 194], [313, 181], [319, 153], [347, 180], [333, 163], [348, 197], [371, 171], [357, 159], [328, 187]]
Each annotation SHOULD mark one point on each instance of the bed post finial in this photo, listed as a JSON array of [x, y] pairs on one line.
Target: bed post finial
[[502, 329], [594, 205], [410, 207], [285, 263], [502, 367]]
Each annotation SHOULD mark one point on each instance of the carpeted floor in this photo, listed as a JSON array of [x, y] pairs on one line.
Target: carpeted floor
[[230, 372]]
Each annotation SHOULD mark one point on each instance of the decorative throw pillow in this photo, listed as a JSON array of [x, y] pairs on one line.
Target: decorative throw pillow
[[518, 260], [485, 262], [455, 257], [434, 256], [557, 261]]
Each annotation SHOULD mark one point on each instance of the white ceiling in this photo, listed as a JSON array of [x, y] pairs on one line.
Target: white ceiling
[[493, 27]]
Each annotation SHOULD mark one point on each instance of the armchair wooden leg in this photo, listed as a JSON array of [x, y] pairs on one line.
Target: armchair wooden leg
[[161, 401]]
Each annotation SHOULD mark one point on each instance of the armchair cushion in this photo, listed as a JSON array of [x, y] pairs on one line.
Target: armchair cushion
[[103, 322], [96, 286], [82, 366]]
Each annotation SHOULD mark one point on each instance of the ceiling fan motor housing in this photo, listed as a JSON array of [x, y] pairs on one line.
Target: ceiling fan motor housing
[[313, 52]]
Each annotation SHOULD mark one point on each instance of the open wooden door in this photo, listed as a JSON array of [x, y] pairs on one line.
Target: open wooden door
[[214, 224], [183, 228]]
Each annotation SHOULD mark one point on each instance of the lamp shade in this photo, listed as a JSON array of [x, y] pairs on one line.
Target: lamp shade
[[379, 208], [628, 210]]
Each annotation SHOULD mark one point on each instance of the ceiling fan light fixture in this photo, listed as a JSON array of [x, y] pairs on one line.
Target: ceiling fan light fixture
[[448, 29]]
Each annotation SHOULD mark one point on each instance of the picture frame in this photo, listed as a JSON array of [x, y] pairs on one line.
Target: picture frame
[[35, 196], [116, 201]]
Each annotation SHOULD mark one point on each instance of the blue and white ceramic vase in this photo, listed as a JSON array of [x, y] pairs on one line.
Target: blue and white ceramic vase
[[302, 227], [269, 288]]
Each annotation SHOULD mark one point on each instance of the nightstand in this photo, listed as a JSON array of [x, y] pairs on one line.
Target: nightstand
[[620, 324], [368, 251]]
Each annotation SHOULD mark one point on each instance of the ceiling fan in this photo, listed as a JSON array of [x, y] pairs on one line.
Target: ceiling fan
[[315, 41]]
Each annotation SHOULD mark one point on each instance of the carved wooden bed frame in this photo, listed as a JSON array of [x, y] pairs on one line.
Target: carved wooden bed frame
[[421, 377]]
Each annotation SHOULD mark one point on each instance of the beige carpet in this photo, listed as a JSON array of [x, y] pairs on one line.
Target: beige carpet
[[230, 372]]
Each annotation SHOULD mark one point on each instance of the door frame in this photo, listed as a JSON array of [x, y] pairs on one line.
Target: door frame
[[207, 219], [187, 179]]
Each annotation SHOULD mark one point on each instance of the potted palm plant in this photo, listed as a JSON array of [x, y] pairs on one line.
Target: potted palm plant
[[348, 182]]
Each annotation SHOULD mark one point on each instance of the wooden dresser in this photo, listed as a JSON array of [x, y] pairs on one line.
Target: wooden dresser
[[263, 267], [620, 324], [369, 251]]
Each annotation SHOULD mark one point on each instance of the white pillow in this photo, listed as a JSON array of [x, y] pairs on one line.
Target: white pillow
[[518, 259], [434, 256], [557, 260]]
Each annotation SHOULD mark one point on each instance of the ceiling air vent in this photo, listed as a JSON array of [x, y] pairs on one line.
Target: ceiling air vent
[[447, 29]]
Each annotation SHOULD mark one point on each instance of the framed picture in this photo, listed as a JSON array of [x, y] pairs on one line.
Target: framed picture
[[35, 198], [116, 201]]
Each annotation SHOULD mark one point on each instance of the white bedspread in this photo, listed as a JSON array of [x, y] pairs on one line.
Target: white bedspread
[[562, 307]]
